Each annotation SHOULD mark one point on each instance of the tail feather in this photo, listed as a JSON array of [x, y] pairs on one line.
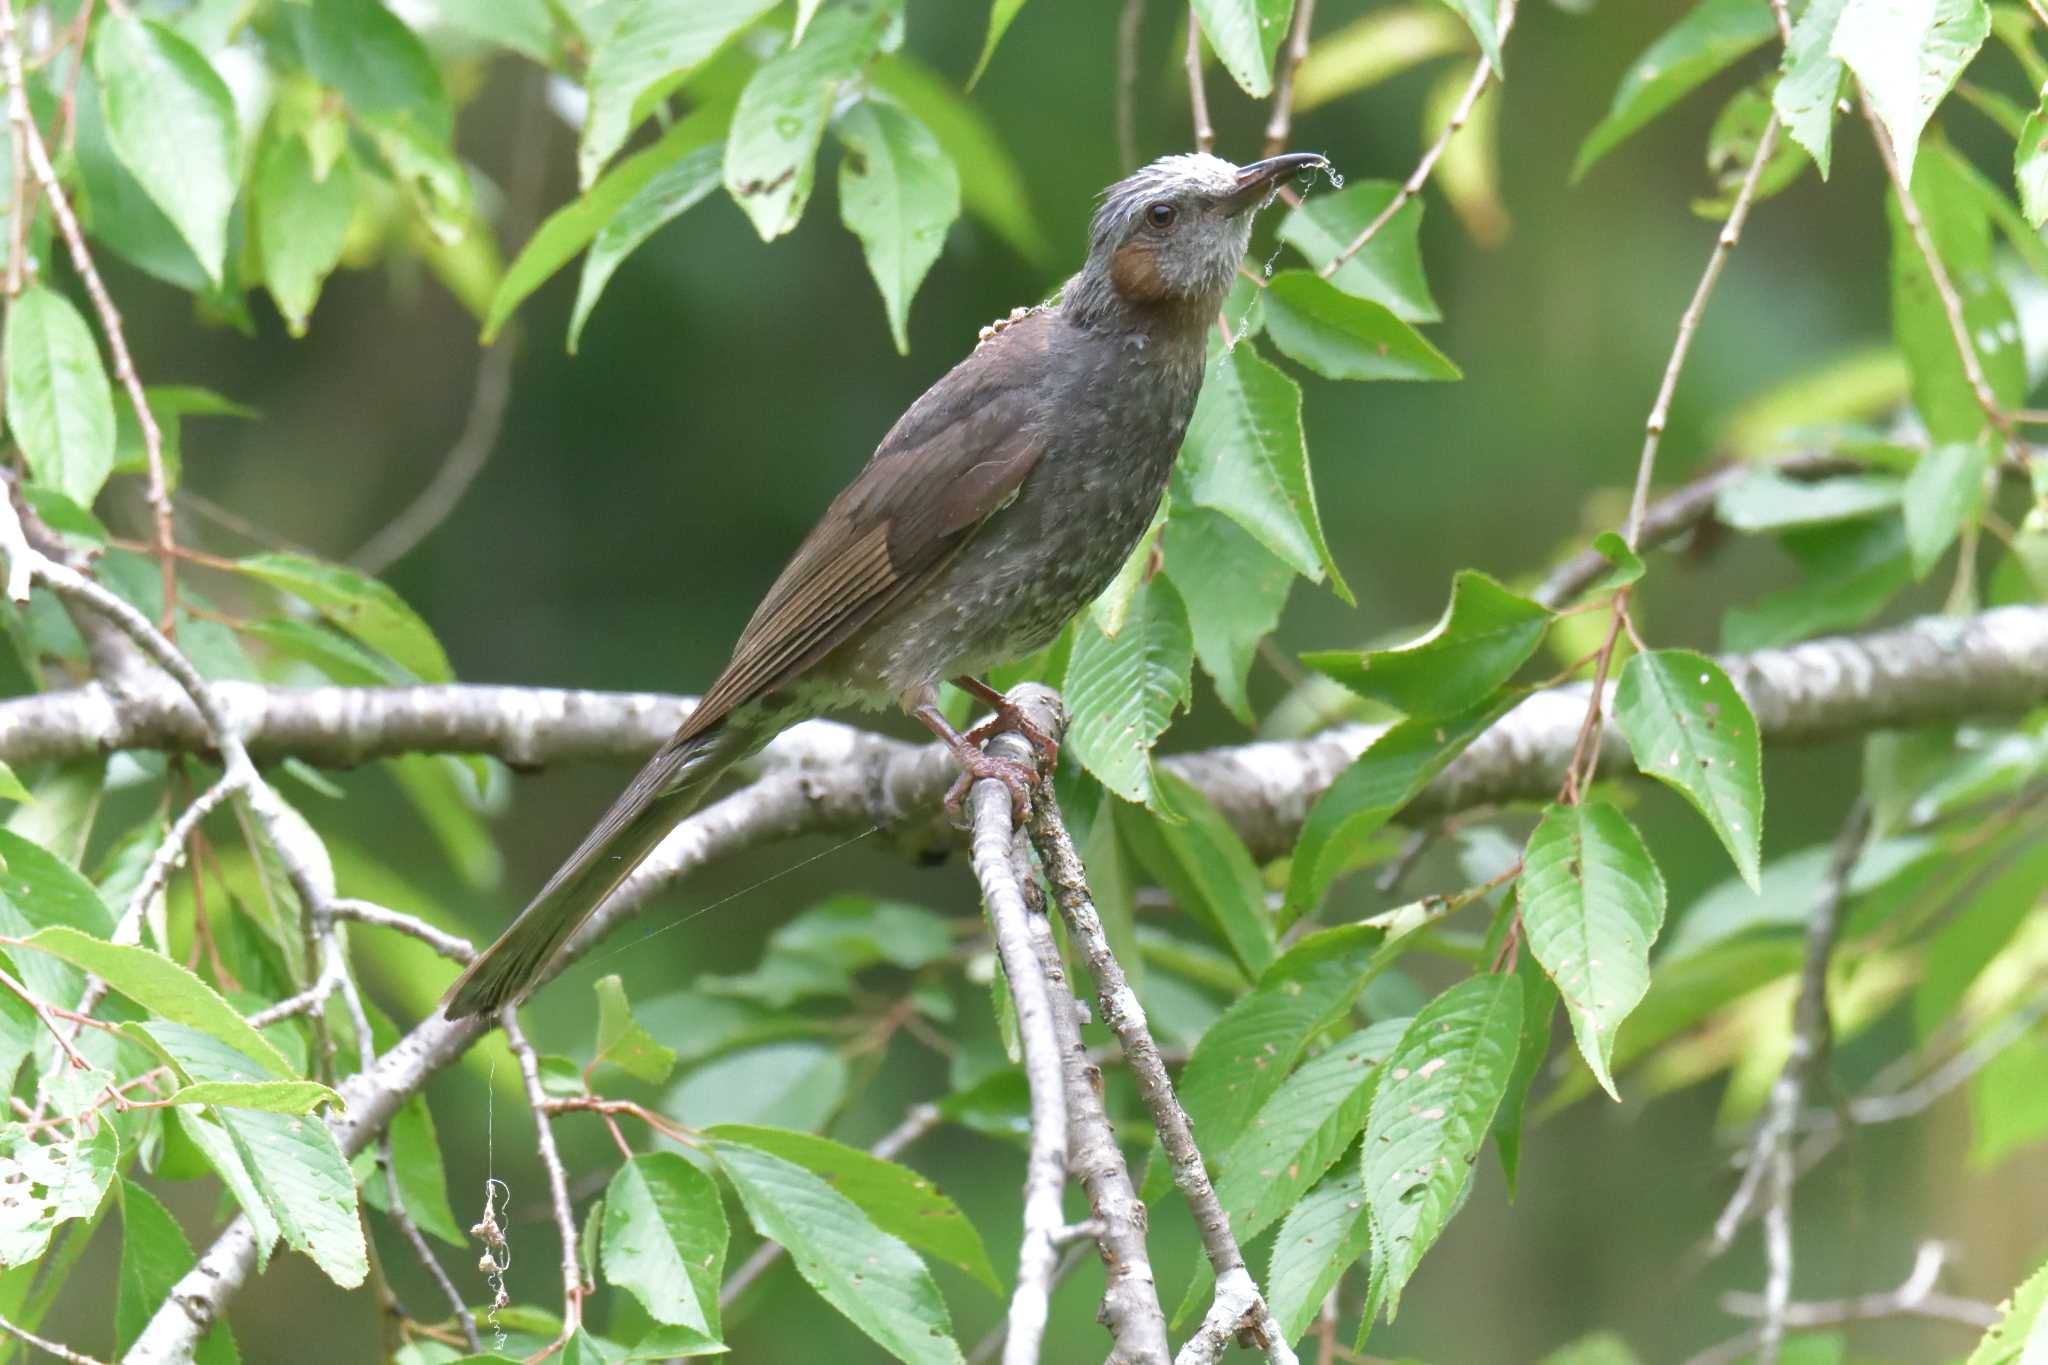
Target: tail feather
[[674, 783]]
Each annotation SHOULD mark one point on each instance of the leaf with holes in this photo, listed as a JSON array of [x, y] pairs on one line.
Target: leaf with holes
[[1325, 1234], [1691, 730], [2020, 1336], [870, 1276], [664, 1240], [1811, 81], [898, 193], [1340, 336], [47, 1183], [1123, 690], [59, 405], [1592, 903], [1486, 634], [902, 1202], [1245, 35], [1908, 54], [1430, 1115], [1711, 37]]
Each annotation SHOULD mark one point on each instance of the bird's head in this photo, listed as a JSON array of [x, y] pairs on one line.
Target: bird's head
[[1168, 238]]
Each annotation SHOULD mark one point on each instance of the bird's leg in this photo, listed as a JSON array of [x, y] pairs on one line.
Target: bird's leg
[[1007, 717], [975, 764]]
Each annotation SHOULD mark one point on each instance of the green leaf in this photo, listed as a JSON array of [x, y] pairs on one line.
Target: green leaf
[[1712, 36], [991, 182], [1486, 634], [788, 1085], [1811, 82], [50, 1183], [1539, 1002], [1627, 565], [867, 1274], [675, 188], [901, 1202], [818, 953], [898, 193], [1245, 456], [1908, 54], [1234, 589], [1302, 1129], [1592, 903], [1430, 1115], [1397, 765], [772, 151], [1389, 268], [616, 201], [377, 63], [272, 1097], [1960, 226], [1851, 571], [2008, 1108], [154, 1257], [436, 187], [171, 121], [2021, 1333], [164, 988], [299, 221], [1599, 1348], [652, 46], [220, 1152], [58, 404], [665, 1240], [1341, 336], [1766, 500], [622, 1042], [1691, 730], [359, 605], [1478, 16], [1123, 690], [1000, 15], [2030, 165], [1324, 1235], [38, 889], [1191, 851], [1944, 493], [422, 1180], [293, 1164], [1245, 34]]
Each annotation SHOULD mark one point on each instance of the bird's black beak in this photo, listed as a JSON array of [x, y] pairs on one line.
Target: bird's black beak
[[1255, 180]]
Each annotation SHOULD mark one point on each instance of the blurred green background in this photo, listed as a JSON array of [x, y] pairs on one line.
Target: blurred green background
[[643, 493]]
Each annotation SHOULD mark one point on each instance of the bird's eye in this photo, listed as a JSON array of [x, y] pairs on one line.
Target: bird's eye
[[1161, 215]]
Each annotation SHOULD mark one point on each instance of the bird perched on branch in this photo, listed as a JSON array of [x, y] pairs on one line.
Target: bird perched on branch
[[999, 505]]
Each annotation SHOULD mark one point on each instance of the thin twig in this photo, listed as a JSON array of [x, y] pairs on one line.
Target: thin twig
[[1915, 1298], [558, 1179], [55, 1348], [1461, 113], [1128, 26], [1198, 95], [448, 945], [1281, 121]]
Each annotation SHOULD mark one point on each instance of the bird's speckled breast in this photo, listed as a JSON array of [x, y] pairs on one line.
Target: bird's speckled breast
[[1120, 420]]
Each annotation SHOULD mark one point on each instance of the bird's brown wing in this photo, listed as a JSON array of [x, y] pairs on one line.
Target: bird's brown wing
[[958, 455]]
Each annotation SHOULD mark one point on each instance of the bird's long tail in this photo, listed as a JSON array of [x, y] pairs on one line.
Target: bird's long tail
[[674, 783]]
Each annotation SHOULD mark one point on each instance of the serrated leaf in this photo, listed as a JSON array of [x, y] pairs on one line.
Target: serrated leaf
[[1245, 34], [163, 987], [171, 121], [1234, 589], [300, 223], [1245, 457], [901, 1202], [1191, 851], [1907, 54], [46, 1184], [1486, 634], [622, 1043], [1691, 730], [672, 191], [871, 1277], [1944, 492], [1479, 17], [1302, 1129], [1123, 691], [2020, 1336], [1397, 765], [1325, 1233], [1388, 270], [359, 605], [1001, 13], [1811, 81], [771, 151], [665, 1240], [272, 1097], [1430, 1114], [619, 201], [1341, 336], [154, 1257], [898, 193], [1592, 902], [59, 405], [652, 45], [1712, 35]]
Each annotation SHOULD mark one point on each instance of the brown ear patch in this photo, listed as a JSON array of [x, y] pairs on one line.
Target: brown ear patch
[[1134, 270]]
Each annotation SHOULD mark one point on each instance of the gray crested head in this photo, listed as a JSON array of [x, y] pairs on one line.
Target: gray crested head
[[1167, 239]]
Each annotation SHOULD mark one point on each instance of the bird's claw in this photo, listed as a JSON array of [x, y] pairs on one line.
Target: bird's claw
[[1009, 720], [975, 765]]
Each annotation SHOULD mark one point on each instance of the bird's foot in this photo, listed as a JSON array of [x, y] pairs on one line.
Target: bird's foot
[[975, 765], [1008, 718]]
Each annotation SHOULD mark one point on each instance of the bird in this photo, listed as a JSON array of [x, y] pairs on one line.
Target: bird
[[1002, 502]]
